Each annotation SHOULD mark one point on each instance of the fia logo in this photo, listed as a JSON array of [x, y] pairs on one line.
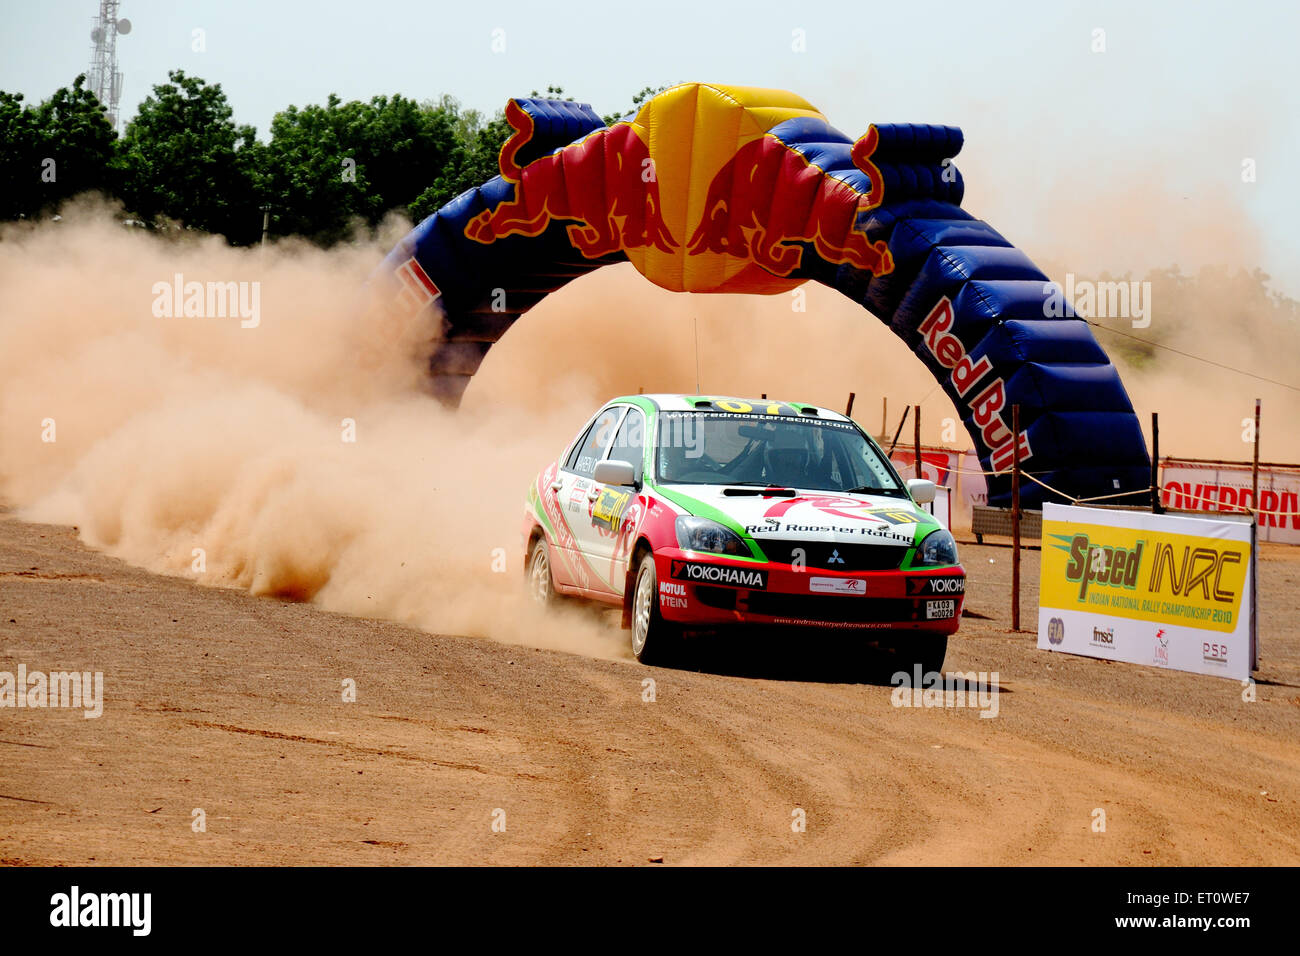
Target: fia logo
[[1055, 631]]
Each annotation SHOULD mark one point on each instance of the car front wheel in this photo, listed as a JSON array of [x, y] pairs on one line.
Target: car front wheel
[[654, 640], [540, 585]]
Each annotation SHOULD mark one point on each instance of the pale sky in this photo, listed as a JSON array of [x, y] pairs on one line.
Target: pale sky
[[1182, 95]]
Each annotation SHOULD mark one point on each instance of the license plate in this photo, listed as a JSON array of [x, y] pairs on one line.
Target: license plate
[[937, 610]]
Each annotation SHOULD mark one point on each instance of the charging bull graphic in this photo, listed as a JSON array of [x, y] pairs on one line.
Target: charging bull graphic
[[743, 218], [613, 204], [711, 188]]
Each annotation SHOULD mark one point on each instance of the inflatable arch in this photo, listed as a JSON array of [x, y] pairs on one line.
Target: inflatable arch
[[727, 189]]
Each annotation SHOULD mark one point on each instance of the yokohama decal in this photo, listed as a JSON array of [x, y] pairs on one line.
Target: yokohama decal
[[719, 574]]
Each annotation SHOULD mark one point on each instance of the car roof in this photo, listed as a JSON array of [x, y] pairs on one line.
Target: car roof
[[676, 402]]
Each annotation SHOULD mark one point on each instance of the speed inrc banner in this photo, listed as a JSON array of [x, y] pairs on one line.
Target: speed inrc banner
[[1161, 590]]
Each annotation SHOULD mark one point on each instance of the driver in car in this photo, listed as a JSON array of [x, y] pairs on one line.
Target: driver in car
[[786, 458]]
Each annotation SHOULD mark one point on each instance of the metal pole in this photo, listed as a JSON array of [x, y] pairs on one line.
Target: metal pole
[[1254, 472], [916, 442], [903, 421], [266, 223], [1156, 507], [1015, 519], [884, 417]]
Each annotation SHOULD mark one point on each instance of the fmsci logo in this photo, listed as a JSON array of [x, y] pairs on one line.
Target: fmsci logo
[[1055, 631]]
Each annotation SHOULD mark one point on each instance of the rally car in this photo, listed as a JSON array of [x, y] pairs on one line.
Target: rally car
[[696, 514]]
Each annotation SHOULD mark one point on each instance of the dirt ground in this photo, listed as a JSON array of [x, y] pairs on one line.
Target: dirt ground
[[231, 705]]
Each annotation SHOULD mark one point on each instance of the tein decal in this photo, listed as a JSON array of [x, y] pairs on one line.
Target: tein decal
[[719, 574]]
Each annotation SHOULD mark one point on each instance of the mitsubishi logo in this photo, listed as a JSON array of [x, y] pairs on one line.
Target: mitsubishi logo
[[835, 558]]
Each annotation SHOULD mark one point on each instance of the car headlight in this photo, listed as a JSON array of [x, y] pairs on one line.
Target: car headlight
[[938, 548], [701, 534]]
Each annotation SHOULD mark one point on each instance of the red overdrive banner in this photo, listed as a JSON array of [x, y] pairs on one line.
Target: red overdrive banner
[[1225, 487]]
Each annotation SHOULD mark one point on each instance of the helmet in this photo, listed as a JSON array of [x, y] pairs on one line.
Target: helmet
[[785, 457]]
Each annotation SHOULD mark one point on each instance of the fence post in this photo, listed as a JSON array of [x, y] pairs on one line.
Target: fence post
[[1015, 518], [916, 442], [1254, 471], [1156, 507]]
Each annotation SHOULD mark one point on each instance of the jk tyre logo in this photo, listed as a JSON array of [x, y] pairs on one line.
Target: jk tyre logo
[[719, 574]]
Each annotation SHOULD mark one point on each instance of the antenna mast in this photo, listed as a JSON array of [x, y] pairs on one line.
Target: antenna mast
[[103, 78]]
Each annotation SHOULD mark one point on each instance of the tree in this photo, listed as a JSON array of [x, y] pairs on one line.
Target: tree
[[77, 137], [53, 151], [184, 158], [473, 159], [328, 165], [19, 158]]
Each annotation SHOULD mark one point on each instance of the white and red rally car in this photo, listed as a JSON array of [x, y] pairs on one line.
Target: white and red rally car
[[696, 513]]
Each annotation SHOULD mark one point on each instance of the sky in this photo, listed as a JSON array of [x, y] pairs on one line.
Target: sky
[[1181, 96]]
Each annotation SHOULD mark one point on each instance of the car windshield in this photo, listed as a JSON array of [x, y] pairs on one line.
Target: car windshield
[[724, 448]]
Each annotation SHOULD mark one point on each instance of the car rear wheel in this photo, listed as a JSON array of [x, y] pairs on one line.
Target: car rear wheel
[[654, 640], [540, 584]]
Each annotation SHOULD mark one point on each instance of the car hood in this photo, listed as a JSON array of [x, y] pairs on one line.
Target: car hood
[[809, 515]]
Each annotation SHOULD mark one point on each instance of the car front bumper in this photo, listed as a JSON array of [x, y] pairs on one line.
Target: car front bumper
[[704, 590]]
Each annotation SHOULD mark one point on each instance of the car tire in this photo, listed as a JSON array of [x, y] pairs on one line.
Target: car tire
[[541, 582], [654, 640], [927, 650]]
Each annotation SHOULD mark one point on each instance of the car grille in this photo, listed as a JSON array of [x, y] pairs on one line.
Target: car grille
[[831, 608], [813, 607], [831, 556]]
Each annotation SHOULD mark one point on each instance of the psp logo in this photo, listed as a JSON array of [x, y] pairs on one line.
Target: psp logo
[[1055, 631], [1213, 653]]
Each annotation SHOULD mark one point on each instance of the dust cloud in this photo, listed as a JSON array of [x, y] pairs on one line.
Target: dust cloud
[[201, 448]]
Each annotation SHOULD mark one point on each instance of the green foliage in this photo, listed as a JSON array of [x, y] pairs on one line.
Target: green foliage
[[183, 158], [330, 165], [53, 151], [473, 159], [20, 139], [184, 162]]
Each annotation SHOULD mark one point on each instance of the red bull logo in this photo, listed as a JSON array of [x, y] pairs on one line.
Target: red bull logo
[[605, 183], [769, 197], [636, 186]]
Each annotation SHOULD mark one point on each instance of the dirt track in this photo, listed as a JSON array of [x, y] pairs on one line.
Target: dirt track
[[231, 704]]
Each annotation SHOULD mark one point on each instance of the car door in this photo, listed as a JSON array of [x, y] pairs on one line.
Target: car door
[[575, 492], [614, 512]]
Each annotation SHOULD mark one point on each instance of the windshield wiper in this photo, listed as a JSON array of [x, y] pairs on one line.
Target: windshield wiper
[[869, 490], [759, 488]]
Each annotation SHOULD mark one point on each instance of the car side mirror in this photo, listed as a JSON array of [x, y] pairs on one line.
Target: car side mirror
[[616, 473], [922, 490]]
